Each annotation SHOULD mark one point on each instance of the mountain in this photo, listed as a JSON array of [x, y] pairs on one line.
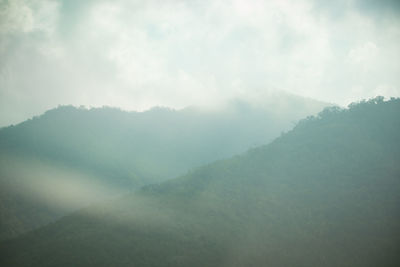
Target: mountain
[[71, 157], [324, 194]]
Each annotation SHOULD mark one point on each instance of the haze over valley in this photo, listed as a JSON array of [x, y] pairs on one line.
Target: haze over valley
[[199, 133]]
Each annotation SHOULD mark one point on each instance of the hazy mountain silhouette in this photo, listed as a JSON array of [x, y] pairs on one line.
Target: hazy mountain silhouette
[[70, 157], [324, 194]]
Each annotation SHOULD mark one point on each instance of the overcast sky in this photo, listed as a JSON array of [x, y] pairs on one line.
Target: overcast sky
[[137, 54]]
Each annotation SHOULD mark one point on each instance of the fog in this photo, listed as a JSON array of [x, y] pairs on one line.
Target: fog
[[199, 133], [323, 194], [52, 185], [139, 54]]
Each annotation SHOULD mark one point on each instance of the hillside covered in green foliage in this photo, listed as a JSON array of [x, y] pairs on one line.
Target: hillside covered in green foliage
[[326, 193], [71, 157]]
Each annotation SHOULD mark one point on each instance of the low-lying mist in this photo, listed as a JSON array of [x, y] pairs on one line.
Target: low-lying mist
[[35, 191], [323, 194]]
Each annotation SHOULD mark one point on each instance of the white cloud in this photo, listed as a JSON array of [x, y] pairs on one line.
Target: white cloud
[[19, 16], [16, 16], [387, 90], [364, 53], [135, 54]]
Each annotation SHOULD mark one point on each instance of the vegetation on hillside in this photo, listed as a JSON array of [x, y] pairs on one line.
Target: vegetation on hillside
[[324, 194], [71, 157]]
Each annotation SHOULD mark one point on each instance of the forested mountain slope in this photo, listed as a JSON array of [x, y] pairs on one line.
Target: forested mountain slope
[[70, 157], [326, 193]]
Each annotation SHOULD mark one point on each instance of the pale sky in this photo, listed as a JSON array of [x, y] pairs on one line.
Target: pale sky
[[138, 54]]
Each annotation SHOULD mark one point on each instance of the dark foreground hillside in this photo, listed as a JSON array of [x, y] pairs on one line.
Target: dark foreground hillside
[[325, 194]]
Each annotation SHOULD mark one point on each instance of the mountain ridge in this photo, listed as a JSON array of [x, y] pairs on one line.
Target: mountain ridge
[[88, 153], [323, 194]]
